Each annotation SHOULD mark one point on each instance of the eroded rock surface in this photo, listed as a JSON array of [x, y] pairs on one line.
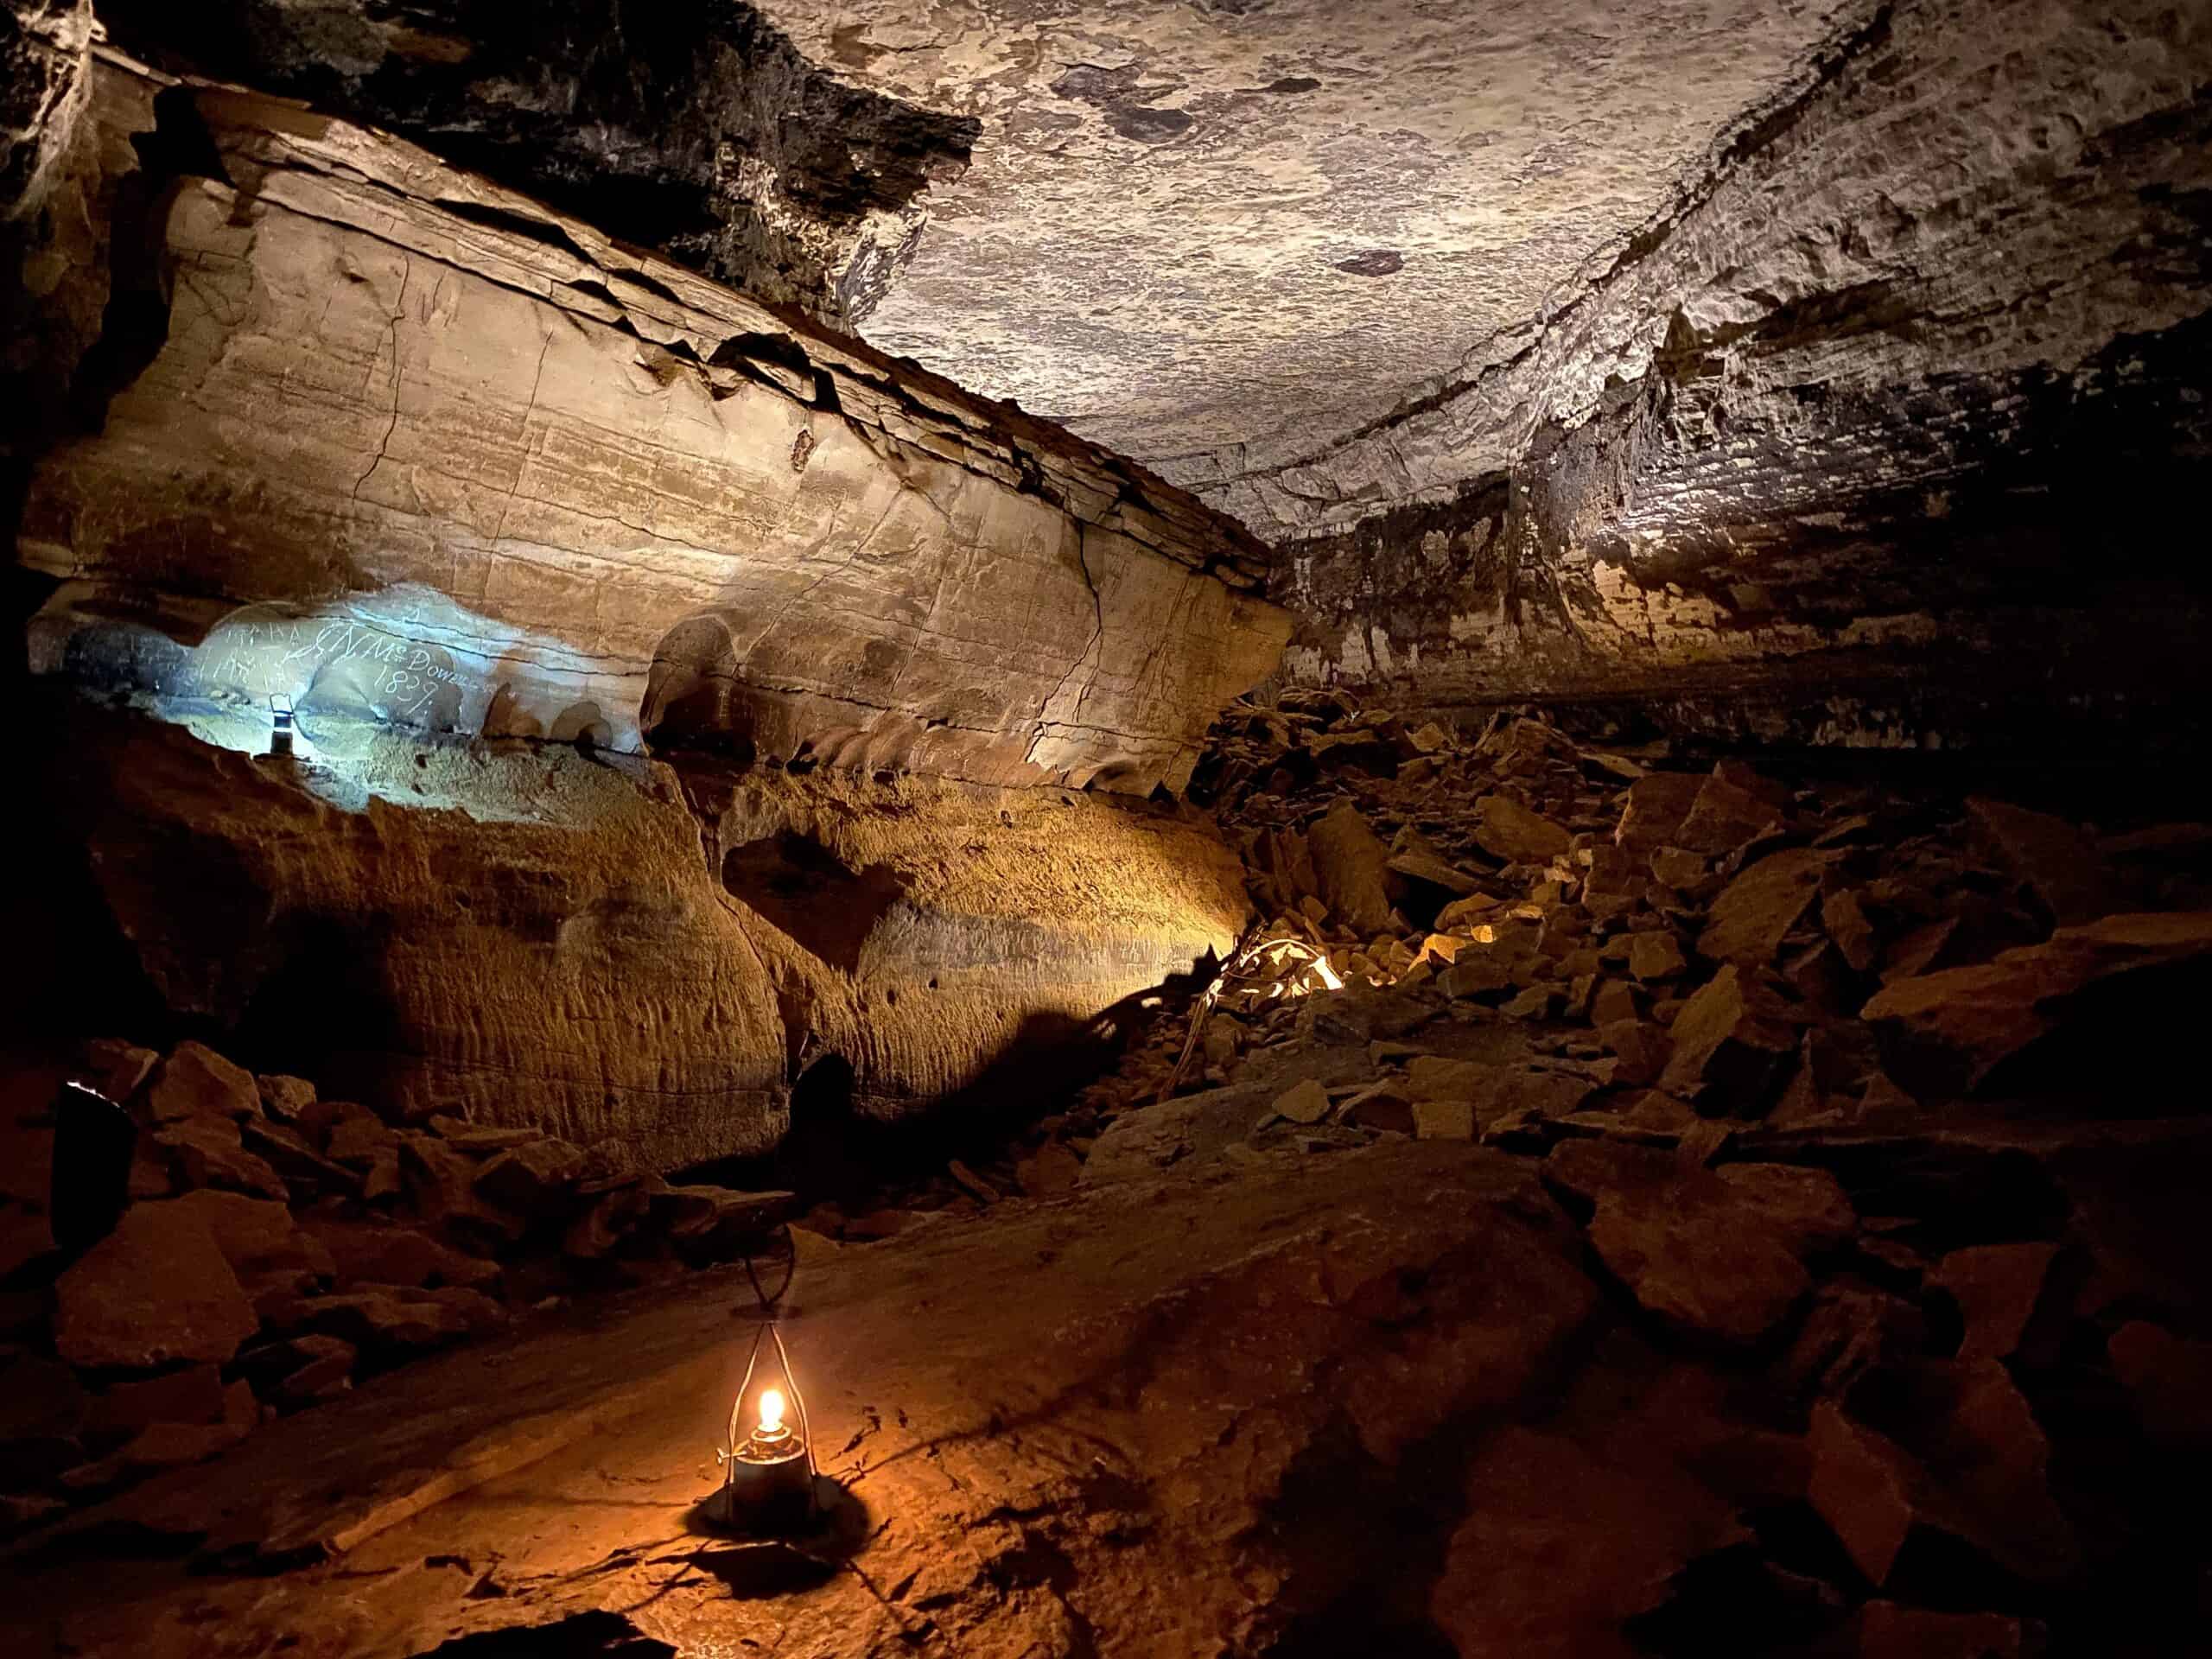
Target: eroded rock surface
[[1891, 409], [388, 441], [703, 131], [529, 937]]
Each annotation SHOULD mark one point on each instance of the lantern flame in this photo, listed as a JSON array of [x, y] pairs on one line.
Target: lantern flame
[[771, 1410]]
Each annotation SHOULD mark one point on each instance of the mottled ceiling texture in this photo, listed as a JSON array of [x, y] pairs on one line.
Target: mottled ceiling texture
[[1237, 226]]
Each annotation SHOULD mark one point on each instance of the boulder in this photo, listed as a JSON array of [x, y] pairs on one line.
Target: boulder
[[157, 1289], [1748, 921], [1723, 817], [307, 1172], [285, 1097], [1512, 833], [1304, 1102], [1716, 1259], [209, 1151], [1999, 1289], [1350, 867], [379, 1253], [1562, 1544], [2169, 1381], [1808, 1206], [1654, 956], [710, 1223], [610, 1217], [2056, 862], [1966, 1469], [117, 1069], [1654, 809], [1843, 913], [1950, 1031], [533, 1179], [440, 1186], [1732, 1043], [195, 1082], [1852, 1329], [259, 1239]]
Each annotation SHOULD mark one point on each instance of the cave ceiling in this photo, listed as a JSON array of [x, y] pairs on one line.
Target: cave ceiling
[[1205, 233], [1188, 227]]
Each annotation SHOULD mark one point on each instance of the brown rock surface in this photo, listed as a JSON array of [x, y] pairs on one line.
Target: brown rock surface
[[1955, 1027], [1720, 1259], [2055, 860], [157, 1289], [195, 1082], [671, 911], [1748, 920], [1731, 1043], [1512, 834], [421, 451], [1350, 866]]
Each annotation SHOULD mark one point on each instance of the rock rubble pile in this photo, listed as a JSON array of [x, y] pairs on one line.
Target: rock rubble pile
[[273, 1246]]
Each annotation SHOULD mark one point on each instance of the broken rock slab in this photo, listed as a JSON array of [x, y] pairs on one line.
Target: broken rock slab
[[1732, 1044], [1951, 1029], [1717, 1255], [1352, 867], [1754, 911], [158, 1288]]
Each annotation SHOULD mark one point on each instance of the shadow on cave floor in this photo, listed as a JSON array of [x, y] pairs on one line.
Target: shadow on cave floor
[[836, 1152]]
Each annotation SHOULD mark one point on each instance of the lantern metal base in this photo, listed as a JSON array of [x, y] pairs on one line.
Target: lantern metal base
[[767, 1494]]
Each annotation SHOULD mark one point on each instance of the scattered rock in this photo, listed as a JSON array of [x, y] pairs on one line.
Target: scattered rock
[[1948, 1031], [2168, 1380], [2060, 864], [1307, 1102], [195, 1082], [1998, 1288], [533, 1179], [1513, 835], [1761, 905], [1654, 956], [155, 1290], [1350, 865], [1732, 1044]]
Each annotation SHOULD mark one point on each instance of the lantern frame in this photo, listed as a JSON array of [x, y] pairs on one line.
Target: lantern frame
[[757, 1494]]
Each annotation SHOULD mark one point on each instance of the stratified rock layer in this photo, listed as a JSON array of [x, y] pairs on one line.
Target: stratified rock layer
[[523, 935], [406, 446], [1888, 428], [698, 130]]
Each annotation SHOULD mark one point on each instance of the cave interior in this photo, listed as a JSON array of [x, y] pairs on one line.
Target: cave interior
[[1209, 830]]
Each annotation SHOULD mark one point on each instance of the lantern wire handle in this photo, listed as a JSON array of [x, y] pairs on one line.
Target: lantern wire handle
[[768, 1331]]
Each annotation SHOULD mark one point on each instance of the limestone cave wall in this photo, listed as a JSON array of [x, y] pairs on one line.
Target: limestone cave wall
[[689, 700], [1890, 427], [386, 439]]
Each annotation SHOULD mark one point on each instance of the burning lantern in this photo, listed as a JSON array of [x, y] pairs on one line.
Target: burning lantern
[[768, 1463]]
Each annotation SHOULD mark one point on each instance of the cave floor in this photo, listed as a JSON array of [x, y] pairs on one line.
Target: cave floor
[[1386, 1399], [1062, 1417]]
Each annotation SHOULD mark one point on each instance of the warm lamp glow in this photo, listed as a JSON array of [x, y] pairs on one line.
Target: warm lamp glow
[[1328, 974], [771, 1410]]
